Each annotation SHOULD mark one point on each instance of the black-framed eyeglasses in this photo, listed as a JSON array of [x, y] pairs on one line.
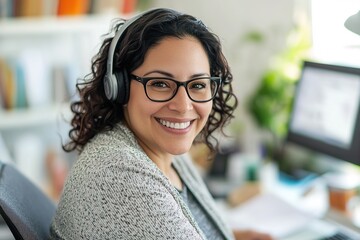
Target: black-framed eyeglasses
[[162, 89]]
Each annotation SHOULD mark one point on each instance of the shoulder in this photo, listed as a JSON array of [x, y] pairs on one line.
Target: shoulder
[[116, 147], [119, 138], [112, 155], [114, 187], [110, 165]]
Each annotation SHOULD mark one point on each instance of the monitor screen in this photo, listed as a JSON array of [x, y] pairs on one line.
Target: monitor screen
[[325, 113]]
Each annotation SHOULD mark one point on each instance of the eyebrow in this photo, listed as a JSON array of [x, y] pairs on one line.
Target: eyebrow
[[167, 74]]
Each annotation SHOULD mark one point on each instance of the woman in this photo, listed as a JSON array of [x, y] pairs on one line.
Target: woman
[[160, 83]]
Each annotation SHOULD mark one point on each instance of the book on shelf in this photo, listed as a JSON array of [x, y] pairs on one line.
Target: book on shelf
[[128, 6], [73, 7], [31, 82], [105, 6], [28, 8], [2, 86], [7, 83], [19, 98], [6, 8], [37, 74], [2, 105], [62, 84]]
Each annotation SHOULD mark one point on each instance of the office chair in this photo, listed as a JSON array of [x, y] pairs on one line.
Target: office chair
[[25, 208]]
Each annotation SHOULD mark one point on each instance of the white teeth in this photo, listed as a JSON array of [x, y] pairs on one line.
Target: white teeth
[[168, 124]]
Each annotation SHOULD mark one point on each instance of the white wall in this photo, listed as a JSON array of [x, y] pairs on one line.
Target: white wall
[[232, 20], [332, 42]]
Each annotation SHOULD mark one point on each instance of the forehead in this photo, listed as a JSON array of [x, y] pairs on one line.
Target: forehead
[[173, 52]]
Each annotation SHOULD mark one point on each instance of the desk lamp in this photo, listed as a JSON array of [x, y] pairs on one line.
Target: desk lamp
[[353, 23]]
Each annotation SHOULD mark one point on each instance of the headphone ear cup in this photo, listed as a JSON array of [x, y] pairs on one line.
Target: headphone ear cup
[[110, 87], [123, 87]]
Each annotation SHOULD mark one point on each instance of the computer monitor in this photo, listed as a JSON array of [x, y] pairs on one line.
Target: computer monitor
[[326, 108]]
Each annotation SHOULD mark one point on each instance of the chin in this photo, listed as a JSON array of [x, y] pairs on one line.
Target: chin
[[179, 151]]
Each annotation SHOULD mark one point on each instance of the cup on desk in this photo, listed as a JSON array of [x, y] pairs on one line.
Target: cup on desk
[[342, 192]]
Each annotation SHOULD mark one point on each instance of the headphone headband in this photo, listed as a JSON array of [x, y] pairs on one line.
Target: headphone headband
[[118, 82], [115, 40]]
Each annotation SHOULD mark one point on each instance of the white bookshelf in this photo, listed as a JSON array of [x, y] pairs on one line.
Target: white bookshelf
[[32, 117], [67, 44], [63, 41], [50, 25], [58, 37]]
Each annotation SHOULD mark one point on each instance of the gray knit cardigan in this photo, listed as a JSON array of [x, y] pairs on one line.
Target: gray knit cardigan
[[114, 191]]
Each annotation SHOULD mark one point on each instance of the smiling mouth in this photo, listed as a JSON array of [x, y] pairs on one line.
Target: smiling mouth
[[174, 125]]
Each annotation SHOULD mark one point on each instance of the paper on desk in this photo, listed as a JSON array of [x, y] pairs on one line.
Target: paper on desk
[[269, 214]]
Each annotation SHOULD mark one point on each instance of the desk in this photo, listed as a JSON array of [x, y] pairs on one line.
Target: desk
[[302, 208]]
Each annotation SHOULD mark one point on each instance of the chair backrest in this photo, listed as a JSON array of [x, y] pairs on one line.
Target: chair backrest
[[25, 208]]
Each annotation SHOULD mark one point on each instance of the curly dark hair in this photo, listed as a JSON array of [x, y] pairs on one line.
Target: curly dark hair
[[94, 113]]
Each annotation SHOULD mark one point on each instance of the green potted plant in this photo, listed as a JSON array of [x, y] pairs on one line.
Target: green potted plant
[[271, 102]]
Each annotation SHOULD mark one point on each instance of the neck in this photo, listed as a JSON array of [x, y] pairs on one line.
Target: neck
[[162, 160], [164, 163]]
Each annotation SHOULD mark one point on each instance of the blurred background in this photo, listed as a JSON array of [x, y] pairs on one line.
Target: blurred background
[[46, 45]]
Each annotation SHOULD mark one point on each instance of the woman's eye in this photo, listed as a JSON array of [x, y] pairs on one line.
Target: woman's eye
[[198, 85], [158, 83]]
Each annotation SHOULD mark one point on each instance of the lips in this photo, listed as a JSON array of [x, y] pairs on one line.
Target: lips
[[175, 125]]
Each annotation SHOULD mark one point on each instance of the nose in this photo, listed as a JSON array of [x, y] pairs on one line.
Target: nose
[[181, 101]]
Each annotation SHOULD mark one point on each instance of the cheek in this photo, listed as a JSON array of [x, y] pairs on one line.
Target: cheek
[[135, 108], [140, 110], [205, 110], [138, 103]]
